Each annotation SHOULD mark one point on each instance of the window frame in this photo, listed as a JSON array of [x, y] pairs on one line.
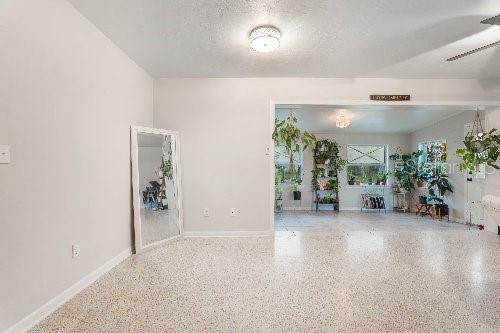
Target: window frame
[[385, 164]]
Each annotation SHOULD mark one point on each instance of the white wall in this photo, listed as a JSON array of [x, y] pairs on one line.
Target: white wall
[[492, 186], [349, 195], [67, 98], [451, 130], [225, 127]]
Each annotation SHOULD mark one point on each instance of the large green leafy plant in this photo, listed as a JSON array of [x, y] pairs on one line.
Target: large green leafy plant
[[482, 148], [293, 139], [439, 182], [406, 169]]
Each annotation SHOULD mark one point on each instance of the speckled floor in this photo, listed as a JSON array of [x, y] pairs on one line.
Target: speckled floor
[[377, 274]]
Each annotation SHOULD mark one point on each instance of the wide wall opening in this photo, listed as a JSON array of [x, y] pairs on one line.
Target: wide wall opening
[[352, 167]]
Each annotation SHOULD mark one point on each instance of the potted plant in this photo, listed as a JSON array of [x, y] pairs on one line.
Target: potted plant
[[326, 152], [381, 178], [422, 176], [333, 185], [480, 148], [439, 185], [291, 138], [405, 170], [296, 193]]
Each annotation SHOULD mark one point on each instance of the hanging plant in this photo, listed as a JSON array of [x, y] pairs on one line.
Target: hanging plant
[[287, 134], [480, 148]]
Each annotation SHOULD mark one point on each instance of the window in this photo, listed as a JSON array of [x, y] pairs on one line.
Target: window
[[367, 164], [433, 152], [284, 173]]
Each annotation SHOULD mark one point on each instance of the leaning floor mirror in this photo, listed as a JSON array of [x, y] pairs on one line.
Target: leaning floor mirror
[[156, 186]]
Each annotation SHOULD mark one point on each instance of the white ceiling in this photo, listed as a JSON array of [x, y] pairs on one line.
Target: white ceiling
[[337, 38], [369, 119]]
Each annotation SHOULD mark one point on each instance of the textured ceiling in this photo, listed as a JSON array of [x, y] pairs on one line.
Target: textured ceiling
[[337, 38], [369, 119]]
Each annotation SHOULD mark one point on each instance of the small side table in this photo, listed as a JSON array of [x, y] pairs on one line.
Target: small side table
[[400, 203], [425, 210]]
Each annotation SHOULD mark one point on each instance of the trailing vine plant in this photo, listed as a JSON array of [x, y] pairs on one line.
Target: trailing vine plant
[[481, 148]]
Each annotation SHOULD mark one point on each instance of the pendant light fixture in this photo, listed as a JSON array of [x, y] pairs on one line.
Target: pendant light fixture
[[342, 121]]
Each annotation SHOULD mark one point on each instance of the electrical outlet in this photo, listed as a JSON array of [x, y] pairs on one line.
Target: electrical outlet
[[4, 154], [76, 250], [233, 212], [206, 212]]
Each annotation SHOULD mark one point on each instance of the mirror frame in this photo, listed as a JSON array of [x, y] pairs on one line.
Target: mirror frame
[[136, 198]]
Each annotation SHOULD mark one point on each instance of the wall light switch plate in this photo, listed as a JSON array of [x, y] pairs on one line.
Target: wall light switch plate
[[4, 154], [206, 212]]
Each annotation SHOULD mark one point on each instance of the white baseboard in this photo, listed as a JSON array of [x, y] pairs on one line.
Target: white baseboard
[[52, 305], [297, 208], [350, 208], [265, 233]]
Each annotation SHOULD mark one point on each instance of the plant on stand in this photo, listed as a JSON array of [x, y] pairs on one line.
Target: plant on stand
[[406, 169], [439, 185], [328, 164]]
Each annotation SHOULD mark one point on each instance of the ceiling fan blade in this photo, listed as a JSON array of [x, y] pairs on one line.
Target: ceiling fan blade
[[482, 48], [495, 20]]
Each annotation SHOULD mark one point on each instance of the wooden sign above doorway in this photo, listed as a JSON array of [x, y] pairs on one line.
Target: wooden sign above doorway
[[390, 98]]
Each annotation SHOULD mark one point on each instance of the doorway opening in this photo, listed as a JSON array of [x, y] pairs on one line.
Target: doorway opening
[[373, 166]]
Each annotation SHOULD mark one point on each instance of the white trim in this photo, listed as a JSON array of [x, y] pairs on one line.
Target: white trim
[[204, 234], [42, 312], [297, 208], [351, 208]]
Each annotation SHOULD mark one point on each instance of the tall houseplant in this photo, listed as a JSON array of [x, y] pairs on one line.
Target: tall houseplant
[[439, 185], [406, 169], [287, 134]]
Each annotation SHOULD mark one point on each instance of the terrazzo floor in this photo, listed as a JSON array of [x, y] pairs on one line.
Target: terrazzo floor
[[354, 273]]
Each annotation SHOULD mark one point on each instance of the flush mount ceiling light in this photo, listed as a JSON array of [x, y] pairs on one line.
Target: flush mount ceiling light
[[265, 38], [342, 121]]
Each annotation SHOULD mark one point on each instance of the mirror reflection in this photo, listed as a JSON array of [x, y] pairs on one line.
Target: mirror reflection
[[157, 187]]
